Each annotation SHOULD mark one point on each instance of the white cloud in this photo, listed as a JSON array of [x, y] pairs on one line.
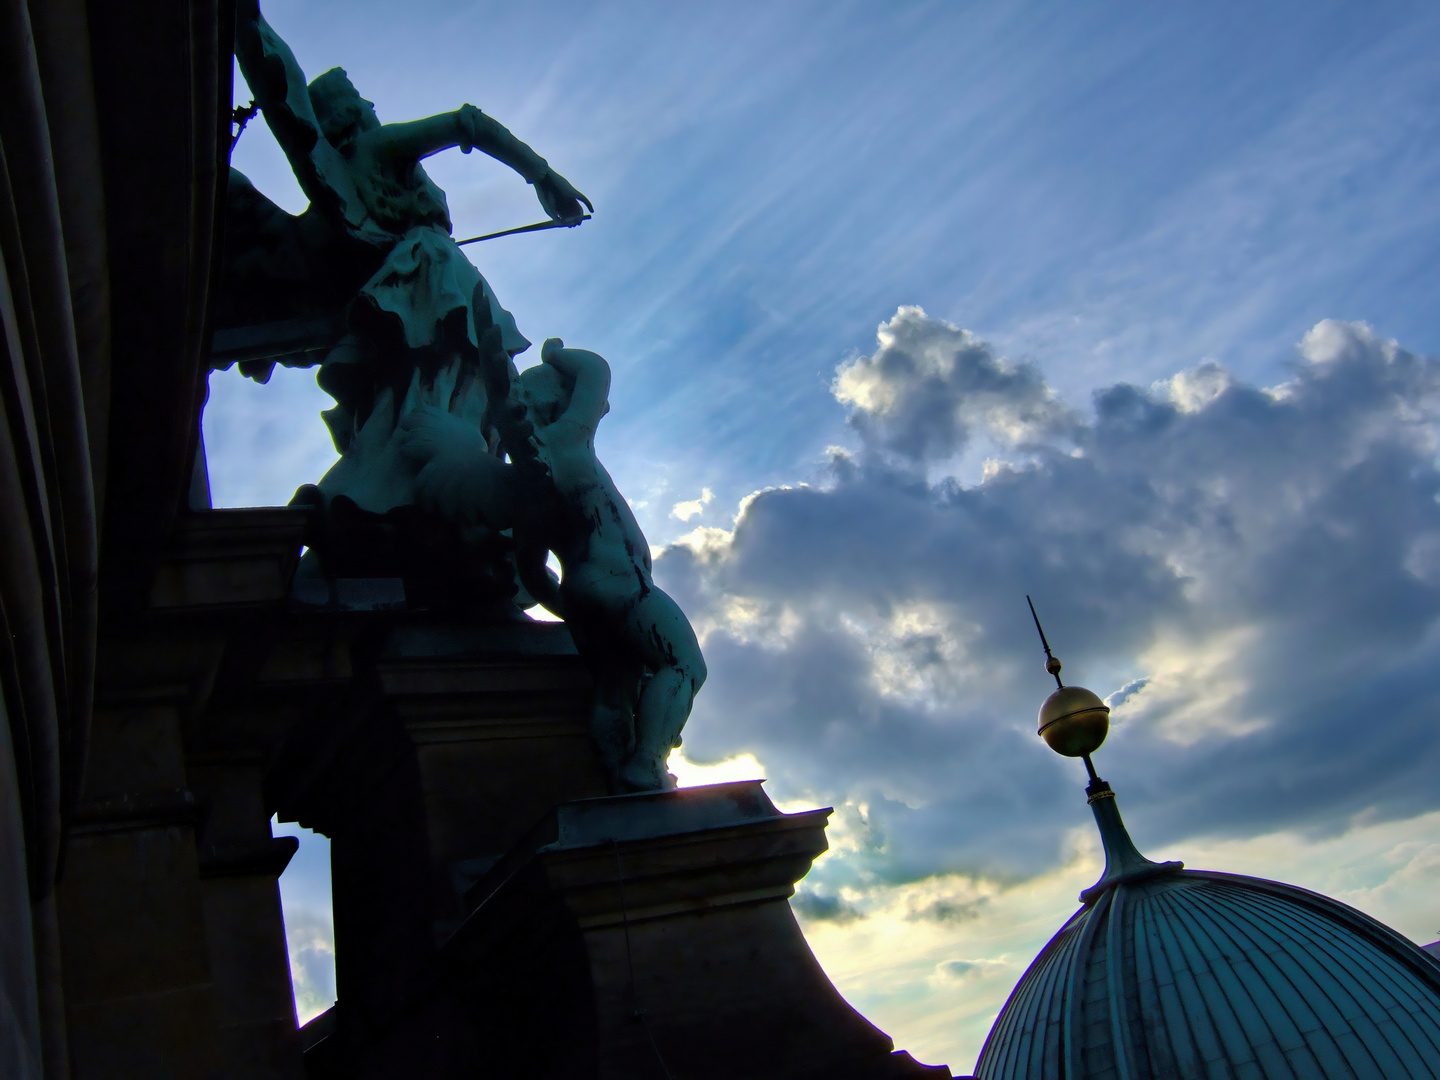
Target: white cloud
[[1196, 388], [930, 384], [692, 507], [694, 774], [311, 941], [932, 961], [706, 542], [1258, 557]]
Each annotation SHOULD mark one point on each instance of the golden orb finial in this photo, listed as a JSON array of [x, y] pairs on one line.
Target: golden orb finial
[[1073, 720]]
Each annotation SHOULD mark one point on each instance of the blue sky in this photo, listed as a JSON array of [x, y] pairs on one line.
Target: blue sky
[[1182, 242]]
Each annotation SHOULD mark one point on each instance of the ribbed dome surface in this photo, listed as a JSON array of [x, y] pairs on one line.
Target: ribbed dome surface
[[1196, 974]]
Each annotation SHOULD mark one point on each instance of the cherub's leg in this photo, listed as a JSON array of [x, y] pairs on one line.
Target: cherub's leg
[[616, 674], [612, 718], [670, 649]]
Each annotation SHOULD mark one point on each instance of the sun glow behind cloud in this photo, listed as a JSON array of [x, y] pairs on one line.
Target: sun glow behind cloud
[[690, 774], [863, 634]]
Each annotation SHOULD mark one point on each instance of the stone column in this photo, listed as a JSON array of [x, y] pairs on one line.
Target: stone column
[[172, 937], [140, 999], [499, 718], [240, 864], [455, 739]]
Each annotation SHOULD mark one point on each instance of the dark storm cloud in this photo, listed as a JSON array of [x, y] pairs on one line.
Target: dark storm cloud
[[1257, 570], [815, 907]]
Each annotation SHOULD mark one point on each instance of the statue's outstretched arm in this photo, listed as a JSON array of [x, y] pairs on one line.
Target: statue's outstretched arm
[[279, 87], [470, 129], [417, 139], [557, 195], [590, 400]]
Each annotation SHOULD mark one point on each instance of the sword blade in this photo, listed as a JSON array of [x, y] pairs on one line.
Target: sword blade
[[537, 227]]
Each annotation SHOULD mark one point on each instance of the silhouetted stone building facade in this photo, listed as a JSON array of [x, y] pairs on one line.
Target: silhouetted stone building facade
[[167, 688], [114, 120]]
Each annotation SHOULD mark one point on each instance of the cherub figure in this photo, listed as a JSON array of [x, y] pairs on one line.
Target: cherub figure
[[558, 498]]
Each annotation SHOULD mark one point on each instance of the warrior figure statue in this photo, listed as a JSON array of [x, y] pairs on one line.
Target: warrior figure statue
[[375, 243]]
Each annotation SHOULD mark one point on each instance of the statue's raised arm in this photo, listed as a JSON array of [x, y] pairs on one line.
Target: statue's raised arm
[[339, 149], [277, 82], [409, 357]]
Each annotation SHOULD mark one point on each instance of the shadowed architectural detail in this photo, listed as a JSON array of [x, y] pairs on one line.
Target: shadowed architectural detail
[[113, 132], [624, 937]]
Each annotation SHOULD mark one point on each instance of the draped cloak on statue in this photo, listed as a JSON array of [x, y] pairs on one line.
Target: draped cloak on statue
[[412, 338]]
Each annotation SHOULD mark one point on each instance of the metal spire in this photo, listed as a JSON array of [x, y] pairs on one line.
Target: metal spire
[[1052, 662]]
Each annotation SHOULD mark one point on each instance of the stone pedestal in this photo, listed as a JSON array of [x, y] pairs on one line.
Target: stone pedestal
[[638, 936], [628, 936], [172, 936], [453, 740], [499, 721]]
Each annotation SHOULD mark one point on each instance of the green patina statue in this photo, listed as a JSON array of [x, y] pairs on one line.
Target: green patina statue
[[557, 497], [412, 337], [418, 354]]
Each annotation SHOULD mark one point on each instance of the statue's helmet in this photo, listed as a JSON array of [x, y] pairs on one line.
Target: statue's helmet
[[339, 108]]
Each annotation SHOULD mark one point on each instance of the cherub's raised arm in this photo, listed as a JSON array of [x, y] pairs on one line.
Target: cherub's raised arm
[[589, 401]]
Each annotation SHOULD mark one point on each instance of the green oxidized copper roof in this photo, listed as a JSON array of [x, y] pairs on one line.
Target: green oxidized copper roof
[[1172, 973]]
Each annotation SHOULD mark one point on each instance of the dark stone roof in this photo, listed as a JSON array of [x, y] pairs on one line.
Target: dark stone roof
[[1171, 973]]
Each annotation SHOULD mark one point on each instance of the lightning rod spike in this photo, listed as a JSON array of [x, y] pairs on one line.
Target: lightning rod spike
[[1052, 662]]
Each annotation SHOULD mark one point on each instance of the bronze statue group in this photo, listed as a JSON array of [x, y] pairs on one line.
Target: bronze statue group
[[433, 417]]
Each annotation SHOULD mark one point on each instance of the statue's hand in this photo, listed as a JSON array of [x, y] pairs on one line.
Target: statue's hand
[[559, 197]]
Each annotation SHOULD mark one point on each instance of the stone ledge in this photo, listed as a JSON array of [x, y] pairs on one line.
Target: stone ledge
[[259, 858], [230, 559], [131, 811], [433, 731], [463, 675]]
